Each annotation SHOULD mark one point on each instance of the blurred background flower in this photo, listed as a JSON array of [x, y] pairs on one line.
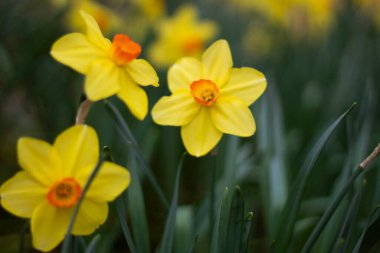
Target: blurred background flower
[[181, 35]]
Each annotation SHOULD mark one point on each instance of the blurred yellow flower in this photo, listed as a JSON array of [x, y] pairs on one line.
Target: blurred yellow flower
[[303, 18], [181, 35], [151, 8], [209, 98], [51, 184], [371, 8], [110, 68], [107, 20]]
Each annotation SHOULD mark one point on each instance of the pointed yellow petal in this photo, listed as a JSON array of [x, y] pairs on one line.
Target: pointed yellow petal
[[176, 110], [246, 84], [39, 159], [103, 80], [90, 216], [110, 181], [75, 51], [21, 194], [200, 135], [94, 34], [142, 72], [232, 116], [183, 73], [78, 146], [49, 225], [217, 61], [133, 96]]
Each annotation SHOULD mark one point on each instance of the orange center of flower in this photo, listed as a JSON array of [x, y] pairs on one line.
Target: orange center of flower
[[205, 92], [124, 49], [64, 193], [192, 46]]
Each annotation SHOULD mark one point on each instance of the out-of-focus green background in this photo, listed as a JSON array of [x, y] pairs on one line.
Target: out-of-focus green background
[[319, 57]]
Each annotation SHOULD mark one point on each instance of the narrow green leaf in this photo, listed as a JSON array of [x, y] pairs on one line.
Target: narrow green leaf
[[330, 211], [67, 240], [289, 214], [23, 232], [137, 210], [91, 248], [194, 244], [347, 228], [220, 232], [121, 212], [235, 223], [361, 243], [246, 232], [166, 245], [130, 141]]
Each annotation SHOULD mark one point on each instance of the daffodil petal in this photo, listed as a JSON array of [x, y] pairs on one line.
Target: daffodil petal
[[217, 61], [110, 181], [232, 116], [49, 225], [75, 51], [78, 146], [90, 216], [175, 110], [183, 73], [21, 194], [39, 159], [142, 72], [94, 34], [102, 80], [246, 84], [133, 96], [200, 135]]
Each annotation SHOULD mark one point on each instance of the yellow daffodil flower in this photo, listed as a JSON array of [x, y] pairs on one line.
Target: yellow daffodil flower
[[209, 98], [110, 68], [52, 181], [107, 20], [179, 36]]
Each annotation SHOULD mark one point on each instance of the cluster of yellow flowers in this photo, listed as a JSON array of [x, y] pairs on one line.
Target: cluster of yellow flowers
[[209, 98]]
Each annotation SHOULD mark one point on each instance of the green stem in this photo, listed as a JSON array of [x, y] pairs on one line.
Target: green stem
[[121, 210], [212, 193], [66, 242], [329, 212], [131, 141]]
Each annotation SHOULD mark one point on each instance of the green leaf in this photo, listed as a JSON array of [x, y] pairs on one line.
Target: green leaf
[[166, 245], [91, 248], [362, 244], [194, 244], [137, 210], [289, 214], [220, 231], [121, 212], [131, 141], [246, 232], [235, 223]]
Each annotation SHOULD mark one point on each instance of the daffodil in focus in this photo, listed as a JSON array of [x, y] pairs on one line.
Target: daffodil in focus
[[209, 98], [110, 67], [107, 20], [51, 183], [181, 35]]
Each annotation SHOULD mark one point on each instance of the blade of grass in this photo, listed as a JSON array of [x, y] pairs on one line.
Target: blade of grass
[[121, 212], [359, 244], [220, 231], [121, 209], [235, 222], [192, 247], [136, 207], [288, 217], [67, 240], [166, 245], [246, 232], [93, 245], [23, 232], [130, 141]]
